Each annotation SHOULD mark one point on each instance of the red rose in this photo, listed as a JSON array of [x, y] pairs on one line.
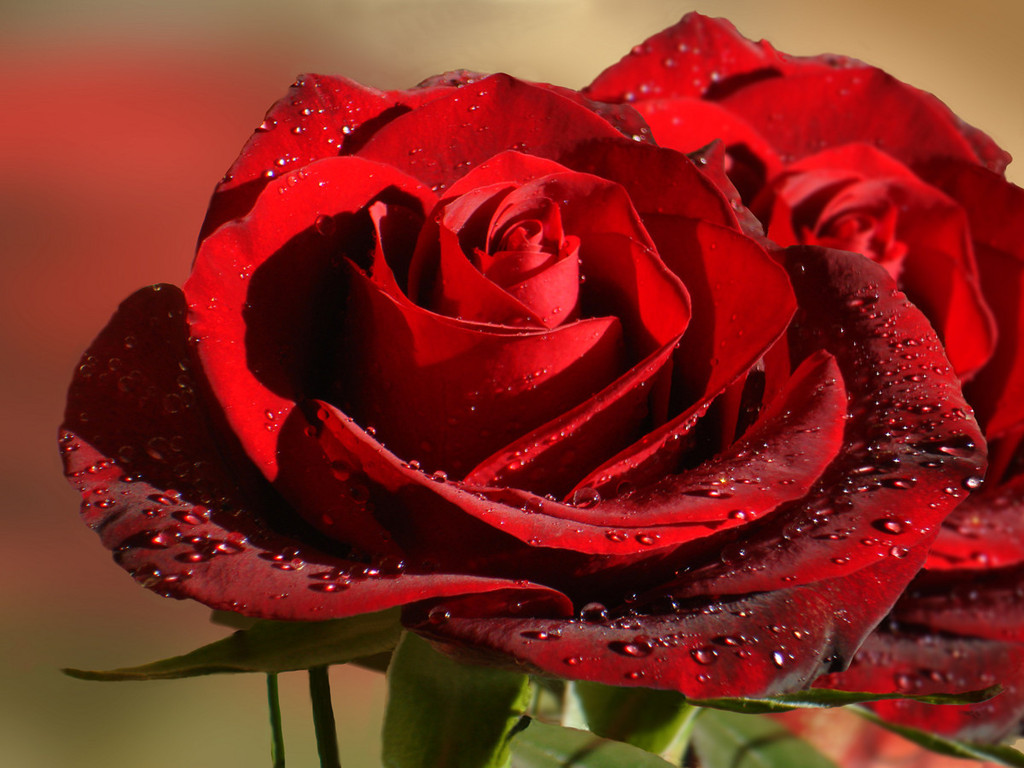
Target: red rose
[[470, 349], [830, 151]]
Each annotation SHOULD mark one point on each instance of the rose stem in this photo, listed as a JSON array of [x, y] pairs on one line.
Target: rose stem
[[323, 718], [276, 732]]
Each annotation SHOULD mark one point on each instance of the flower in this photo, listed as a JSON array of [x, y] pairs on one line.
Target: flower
[[830, 151], [482, 350]]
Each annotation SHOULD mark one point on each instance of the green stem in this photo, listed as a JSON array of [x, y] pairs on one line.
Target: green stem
[[323, 718], [276, 732], [680, 751]]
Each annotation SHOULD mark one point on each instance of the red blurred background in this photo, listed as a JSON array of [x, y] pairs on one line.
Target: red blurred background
[[118, 118]]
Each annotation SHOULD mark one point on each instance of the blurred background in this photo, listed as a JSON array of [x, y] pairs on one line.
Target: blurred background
[[118, 117]]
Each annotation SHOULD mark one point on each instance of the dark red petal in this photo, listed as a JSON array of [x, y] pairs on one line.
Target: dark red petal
[[313, 121], [801, 115], [444, 139], [995, 209], [658, 181], [922, 664], [909, 453], [683, 60], [969, 602], [688, 124], [509, 168], [754, 645], [398, 363], [552, 458], [986, 531], [169, 490], [777, 461], [265, 291], [742, 302]]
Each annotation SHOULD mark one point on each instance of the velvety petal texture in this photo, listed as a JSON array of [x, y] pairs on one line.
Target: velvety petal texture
[[484, 350]]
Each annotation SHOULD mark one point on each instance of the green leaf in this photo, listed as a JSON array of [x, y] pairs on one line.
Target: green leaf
[[819, 698], [540, 745], [272, 646], [731, 740], [445, 714], [648, 719], [994, 753]]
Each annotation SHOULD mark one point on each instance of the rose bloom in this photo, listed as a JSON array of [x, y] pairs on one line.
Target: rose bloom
[[482, 350], [830, 151]]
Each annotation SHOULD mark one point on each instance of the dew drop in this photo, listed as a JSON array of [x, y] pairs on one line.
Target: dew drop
[[889, 525], [325, 225], [594, 613], [704, 655], [585, 498], [541, 634], [637, 649], [972, 483], [438, 615]]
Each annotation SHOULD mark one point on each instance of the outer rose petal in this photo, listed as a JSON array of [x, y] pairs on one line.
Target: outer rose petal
[[967, 603], [171, 493], [791, 113], [688, 124], [273, 278], [684, 60], [442, 140], [923, 664], [986, 531], [315, 120], [707, 58], [753, 645]]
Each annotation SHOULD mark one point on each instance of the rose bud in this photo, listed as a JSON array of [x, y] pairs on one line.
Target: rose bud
[[480, 350]]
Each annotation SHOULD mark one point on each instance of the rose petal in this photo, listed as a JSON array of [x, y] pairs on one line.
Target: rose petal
[[968, 602], [688, 124], [505, 383], [985, 531], [442, 140], [754, 645], [993, 205], [742, 303], [700, 57], [173, 495], [265, 292], [789, 113], [317, 117], [684, 60], [657, 181], [552, 458], [460, 289], [921, 664], [777, 462], [898, 474]]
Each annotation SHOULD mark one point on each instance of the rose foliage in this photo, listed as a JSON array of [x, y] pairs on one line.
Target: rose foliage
[[484, 350], [829, 151]]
